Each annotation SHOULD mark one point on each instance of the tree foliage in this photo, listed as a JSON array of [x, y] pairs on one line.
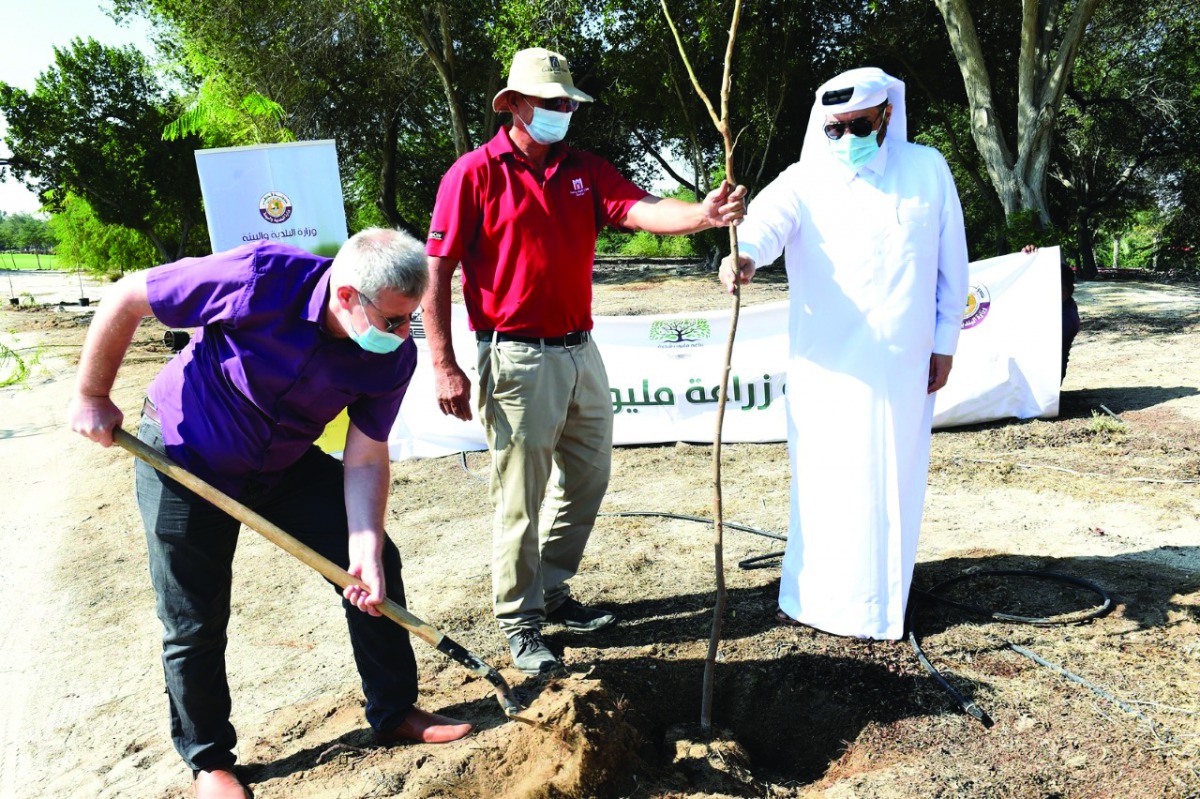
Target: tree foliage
[[397, 85], [93, 127], [84, 242], [1127, 136], [25, 232], [1061, 119]]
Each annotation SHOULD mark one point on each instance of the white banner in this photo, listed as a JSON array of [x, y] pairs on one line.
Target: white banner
[[1009, 358], [289, 193], [664, 369]]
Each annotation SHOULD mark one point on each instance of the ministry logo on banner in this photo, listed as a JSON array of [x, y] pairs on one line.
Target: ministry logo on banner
[[979, 302], [275, 207]]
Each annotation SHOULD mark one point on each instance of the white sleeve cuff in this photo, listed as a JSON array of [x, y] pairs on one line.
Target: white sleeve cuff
[[750, 251]]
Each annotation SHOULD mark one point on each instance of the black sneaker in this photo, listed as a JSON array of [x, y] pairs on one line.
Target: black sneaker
[[530, 653], [581, 618]]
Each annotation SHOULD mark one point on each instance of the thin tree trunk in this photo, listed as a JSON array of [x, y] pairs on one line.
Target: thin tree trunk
[[386, 201], [1085, 240], [158, 243], [443, 63], [723, 127]]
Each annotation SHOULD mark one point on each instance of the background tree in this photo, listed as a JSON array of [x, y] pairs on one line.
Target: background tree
[[1179, 246], [1057, 121], [93, 127], [1050, 35], [380, 79], [1127, 136], [84, 242], [25, 232]]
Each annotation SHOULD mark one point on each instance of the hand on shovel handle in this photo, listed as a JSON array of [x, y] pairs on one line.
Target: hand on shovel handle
[[327, 568]]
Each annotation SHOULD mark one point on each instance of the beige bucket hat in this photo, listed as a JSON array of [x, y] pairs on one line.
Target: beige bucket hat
[[538, 72]]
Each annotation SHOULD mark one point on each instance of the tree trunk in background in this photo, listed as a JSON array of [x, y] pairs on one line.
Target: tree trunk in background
[[158, 244], [1085, 239], [1020, 180], [443, 61], [386, 201]]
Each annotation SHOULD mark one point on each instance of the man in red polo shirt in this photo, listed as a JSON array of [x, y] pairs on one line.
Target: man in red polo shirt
[[521, 215]]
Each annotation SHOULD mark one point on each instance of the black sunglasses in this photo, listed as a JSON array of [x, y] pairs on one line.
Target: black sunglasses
[[563, 104], [859, 126]]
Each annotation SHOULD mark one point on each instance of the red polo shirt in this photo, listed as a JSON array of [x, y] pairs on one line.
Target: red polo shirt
[[527, 240]]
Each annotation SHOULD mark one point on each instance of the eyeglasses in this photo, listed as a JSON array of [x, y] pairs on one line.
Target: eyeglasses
[[389, 323], [859, 126], [563, 104]]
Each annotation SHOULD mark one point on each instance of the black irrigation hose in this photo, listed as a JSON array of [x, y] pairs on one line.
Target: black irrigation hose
[[933, 594], [743, 528], [702, 520], [759, 561], [1041, 621], [462, 459], [969, 707], [1163, 735]]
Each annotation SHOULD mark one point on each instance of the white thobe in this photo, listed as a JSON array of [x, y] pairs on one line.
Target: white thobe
[[877, 277]]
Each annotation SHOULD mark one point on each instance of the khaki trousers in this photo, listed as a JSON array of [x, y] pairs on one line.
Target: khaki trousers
[[548, 416]]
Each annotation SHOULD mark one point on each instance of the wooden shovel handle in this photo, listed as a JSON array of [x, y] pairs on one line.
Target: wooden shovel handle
[[327, 568], [270, 531]]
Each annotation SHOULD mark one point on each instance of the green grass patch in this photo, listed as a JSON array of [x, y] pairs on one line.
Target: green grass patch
[[21, 260]]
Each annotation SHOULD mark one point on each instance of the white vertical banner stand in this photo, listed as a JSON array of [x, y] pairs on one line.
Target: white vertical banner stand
[[289, 193]]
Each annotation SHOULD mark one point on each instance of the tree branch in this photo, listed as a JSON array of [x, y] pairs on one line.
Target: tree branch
[[657, 156]]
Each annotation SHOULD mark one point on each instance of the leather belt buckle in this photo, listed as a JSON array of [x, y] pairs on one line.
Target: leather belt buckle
[[575, 339]]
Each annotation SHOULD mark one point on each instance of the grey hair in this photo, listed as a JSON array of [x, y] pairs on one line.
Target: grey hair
[[378, 258]]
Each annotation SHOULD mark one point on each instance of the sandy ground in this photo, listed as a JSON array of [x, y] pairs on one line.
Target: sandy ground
[[83, 713]]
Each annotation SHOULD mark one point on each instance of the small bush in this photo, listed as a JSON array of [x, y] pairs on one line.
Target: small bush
[[1102, 424]]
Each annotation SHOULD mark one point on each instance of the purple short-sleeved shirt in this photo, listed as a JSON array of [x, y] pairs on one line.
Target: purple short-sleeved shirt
[[256, 386]]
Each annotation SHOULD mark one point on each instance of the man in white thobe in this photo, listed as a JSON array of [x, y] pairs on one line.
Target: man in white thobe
[[876, 261]]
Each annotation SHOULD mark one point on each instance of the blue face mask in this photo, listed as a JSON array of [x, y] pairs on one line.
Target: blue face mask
[[373, 339], [854, 151], [548, 127]]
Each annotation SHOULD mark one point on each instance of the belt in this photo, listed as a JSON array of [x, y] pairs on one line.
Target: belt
[[569, 340], [149, 411]]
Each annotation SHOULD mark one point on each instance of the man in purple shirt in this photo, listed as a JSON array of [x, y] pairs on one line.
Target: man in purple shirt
[[286, 341]]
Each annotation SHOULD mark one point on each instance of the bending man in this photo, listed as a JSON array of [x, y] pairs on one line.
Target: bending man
[[287, 341]]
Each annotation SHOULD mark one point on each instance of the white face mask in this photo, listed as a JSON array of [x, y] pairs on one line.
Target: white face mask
[[548, 127]]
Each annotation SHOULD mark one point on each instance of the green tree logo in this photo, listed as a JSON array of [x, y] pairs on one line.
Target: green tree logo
[[678, 331]]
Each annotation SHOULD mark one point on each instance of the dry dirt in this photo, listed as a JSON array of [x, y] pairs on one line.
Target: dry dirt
[[798, 713]]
